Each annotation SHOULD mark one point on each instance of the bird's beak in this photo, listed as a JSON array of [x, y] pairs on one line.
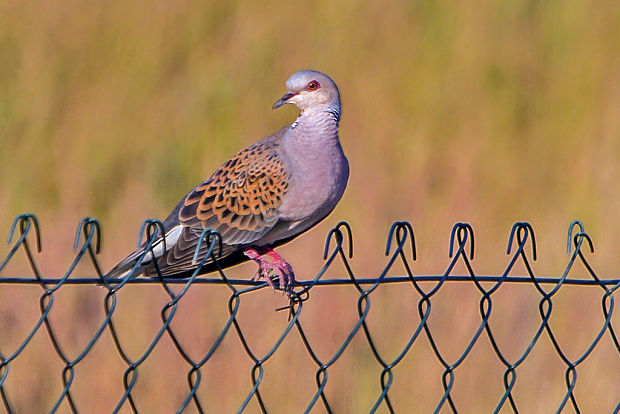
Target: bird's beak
[[284, 99]]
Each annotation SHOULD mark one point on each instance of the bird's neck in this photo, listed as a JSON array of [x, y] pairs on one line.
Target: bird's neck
[[315, 127]]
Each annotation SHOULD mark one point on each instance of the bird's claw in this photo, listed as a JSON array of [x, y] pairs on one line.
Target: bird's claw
[[286, 276]]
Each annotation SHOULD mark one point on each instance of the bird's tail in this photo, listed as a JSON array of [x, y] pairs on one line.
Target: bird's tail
[[156, 251], [122, 268]]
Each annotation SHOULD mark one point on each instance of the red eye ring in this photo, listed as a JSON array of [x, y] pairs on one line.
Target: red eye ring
[[313, 85]]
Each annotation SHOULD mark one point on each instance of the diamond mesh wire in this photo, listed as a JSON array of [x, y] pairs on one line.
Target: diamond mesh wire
[[400, 250]]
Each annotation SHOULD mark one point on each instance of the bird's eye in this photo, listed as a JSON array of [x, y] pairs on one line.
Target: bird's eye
[[313, 85]]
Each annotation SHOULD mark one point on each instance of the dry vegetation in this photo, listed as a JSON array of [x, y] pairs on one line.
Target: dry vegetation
[[485, 112]]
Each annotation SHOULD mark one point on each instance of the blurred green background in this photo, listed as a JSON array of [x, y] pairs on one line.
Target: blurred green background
[[477, 111]]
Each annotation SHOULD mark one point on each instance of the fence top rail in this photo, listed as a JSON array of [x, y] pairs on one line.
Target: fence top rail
[[323, 282]]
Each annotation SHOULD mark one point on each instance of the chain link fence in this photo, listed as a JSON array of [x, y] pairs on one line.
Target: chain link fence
[[400, 251]]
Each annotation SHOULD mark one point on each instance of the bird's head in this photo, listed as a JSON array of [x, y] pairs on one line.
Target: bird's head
[[310, 89]]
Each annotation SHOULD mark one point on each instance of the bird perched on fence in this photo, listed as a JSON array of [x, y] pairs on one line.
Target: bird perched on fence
[[264, 196]]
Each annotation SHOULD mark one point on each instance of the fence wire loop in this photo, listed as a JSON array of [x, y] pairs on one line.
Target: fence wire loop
[[569, 238], [338, 251], [578, 240], [462, 231], [91, 229], [523, 230], [336, 233], [209, 236], [401, 229], [25, 221], [151, 228]]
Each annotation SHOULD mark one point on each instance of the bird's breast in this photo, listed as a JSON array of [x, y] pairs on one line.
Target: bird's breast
[[317, 184]]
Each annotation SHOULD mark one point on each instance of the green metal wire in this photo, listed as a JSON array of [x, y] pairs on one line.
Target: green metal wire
[[400, 249]]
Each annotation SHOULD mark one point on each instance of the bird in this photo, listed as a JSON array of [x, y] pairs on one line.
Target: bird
[[262, 197]]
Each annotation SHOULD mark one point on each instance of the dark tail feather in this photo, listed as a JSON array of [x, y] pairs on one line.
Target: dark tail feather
[[120, 269]]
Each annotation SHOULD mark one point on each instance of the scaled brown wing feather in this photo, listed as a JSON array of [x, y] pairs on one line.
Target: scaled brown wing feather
[[240, 200]]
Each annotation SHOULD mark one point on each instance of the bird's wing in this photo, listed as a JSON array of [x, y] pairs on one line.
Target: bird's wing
[[240, 200]]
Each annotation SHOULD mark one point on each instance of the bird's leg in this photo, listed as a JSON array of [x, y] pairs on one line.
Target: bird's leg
[[285, 271], [264, 267]]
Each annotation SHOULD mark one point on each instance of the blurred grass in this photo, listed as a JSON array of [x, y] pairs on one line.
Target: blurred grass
[[478, 111]]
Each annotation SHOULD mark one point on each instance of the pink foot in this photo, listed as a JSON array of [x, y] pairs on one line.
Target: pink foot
[[286, 276]]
